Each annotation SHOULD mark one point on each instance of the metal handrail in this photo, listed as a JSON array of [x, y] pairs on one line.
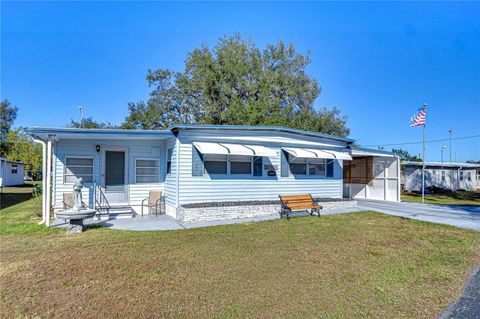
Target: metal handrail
[[100, 200]]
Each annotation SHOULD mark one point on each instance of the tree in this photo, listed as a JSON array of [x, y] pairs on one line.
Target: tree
[[473, 162], [405, 155], [8, 114], [88, 122], [23, 149], [237, 83]]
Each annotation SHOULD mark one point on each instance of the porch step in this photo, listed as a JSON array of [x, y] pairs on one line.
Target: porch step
[[117, 213]]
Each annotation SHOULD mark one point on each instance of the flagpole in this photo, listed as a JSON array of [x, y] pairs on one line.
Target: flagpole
[[423, 157]]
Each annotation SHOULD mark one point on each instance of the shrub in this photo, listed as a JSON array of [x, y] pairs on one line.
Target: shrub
[[37, 199]]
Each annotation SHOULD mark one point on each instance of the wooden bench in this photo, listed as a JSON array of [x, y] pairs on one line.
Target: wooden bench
[[298, 202]]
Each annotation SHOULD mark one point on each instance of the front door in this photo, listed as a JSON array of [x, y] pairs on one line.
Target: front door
[[115, 181]]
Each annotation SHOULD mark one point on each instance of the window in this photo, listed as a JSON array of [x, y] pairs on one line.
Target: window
[[76, 167], [317, 167], [443, 176], [169, 160], [232, 164], [14, 168], [304, 166], [146, 171], [478, 175], [215, 164], [469, 176], [461, 175], [298, 166], [240, 164]]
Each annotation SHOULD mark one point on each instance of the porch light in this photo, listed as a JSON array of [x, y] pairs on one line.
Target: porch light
[[97, 148]]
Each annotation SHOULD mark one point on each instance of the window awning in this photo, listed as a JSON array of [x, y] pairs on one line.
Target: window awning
[[234, 149], [315, 153]]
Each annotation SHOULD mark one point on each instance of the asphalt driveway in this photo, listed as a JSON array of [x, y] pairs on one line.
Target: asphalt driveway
[[460, 216]]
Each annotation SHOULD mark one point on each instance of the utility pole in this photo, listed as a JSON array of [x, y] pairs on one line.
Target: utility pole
[[450, 133], [441, 151], [80, 108]]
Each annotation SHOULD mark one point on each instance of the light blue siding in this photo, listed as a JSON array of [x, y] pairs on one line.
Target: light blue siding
[[180, 187], [229, 188], [154, 149]]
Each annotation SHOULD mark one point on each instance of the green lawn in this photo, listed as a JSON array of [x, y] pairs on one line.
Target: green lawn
[[447, 198], [351, 266]]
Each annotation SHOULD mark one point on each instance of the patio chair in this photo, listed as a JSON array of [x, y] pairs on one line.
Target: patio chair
[[153, 200]]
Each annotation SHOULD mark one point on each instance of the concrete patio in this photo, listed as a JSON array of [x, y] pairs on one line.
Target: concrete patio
[[166, 222]]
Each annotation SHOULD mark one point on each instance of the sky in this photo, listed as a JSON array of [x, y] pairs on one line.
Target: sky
[[376, 61]]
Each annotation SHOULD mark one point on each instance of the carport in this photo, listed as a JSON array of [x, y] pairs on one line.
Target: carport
[[372, 175]]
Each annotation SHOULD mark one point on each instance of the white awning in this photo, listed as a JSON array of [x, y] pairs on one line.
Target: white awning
[[340, 155], [315, 153], [234, 149]]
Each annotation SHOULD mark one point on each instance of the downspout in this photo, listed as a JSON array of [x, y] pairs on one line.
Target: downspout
[[49, 178], [178, 173], [399, 182], [44, 174]]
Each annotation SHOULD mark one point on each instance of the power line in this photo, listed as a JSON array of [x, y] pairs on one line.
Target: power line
[[431, 141]]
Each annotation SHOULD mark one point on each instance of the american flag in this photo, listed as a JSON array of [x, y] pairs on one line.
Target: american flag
[[419, 119]]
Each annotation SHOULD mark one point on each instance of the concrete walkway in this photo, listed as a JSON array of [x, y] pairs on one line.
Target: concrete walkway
[[460, 216], [468, 306]]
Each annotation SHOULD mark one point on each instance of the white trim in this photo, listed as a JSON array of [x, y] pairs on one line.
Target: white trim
[[359, 153]]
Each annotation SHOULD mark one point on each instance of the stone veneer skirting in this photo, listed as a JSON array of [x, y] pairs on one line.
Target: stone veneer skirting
[[217, 212]]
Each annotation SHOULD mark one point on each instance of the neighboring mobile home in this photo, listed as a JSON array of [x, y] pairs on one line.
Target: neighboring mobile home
[[452, 176], [11, 172], [194, 164]]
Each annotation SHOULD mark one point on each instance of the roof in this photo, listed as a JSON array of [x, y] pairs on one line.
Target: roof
[[361, 151], [177, 127], [74, 132], [68, 132], [440, 164], [9, 161]]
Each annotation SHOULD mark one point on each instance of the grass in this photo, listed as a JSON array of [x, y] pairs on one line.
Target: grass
[[467, 198], [350, 266]]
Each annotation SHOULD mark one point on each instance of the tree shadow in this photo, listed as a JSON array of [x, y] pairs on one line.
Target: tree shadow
[[10, 199], [10, 196]]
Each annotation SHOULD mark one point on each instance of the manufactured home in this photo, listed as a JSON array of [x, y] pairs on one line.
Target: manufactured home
[[451, 176], [201, 165], [11, 172]]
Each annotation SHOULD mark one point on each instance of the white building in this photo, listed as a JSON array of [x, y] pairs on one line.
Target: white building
[[193, 164], [453, 176], [11, 173]]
